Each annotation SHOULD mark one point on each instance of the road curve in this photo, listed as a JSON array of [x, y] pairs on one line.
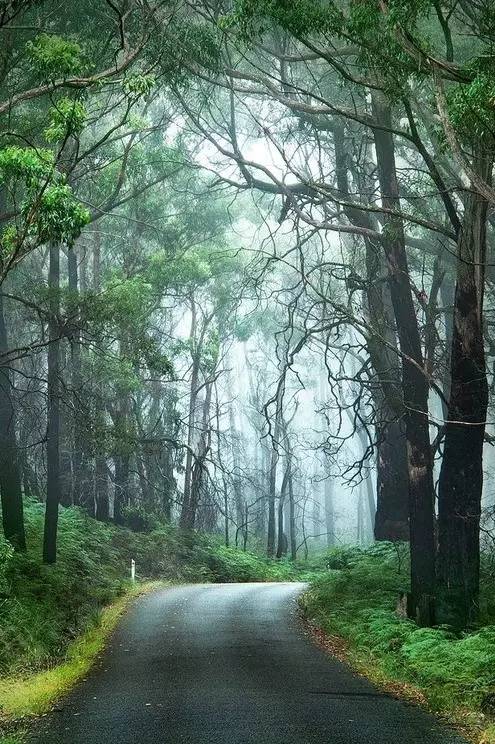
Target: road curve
[[228, 664]]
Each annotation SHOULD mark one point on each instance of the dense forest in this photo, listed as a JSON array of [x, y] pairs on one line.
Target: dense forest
[[246, 315]]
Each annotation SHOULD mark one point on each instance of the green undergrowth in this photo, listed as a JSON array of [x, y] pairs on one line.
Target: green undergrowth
[[356, 599], [34, 693]]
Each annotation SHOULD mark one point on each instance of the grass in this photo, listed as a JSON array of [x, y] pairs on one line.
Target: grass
[[34, 694], [453, 674]]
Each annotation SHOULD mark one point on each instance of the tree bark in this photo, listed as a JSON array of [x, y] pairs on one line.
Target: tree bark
[[76, 381], [461, 475], [188, 518], [98, 500], [236, 445], [282, 543], [392, 488], [10, 477], [414, 383], [121, 486], [102, 510], [292, 511], [272, 487], [193, 395]]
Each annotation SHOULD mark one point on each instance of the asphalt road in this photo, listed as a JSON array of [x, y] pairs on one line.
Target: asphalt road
[[228, 664]]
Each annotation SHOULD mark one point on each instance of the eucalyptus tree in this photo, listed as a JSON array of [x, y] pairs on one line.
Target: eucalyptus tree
[[423, 99]]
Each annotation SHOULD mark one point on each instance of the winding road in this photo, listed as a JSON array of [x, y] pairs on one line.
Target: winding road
[[228, 664]]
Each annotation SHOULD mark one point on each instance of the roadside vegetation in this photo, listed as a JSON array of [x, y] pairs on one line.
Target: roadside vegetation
[[355, 602]]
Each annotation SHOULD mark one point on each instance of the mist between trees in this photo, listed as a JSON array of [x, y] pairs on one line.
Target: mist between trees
[[247, 276]]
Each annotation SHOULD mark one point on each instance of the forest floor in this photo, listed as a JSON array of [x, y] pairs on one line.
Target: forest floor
[[351, 609]]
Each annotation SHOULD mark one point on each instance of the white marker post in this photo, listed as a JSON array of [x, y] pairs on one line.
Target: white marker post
[[133, 570]]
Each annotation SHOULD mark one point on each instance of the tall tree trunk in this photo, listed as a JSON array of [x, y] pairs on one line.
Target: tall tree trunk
[[392, 474], [121, 486], [191, 421], [102, 510], [414, 383], [124, 430], [235, 442], [371, 504], [447, 295], [10, 477], [156, 461], [53, 485], [292, 510], [392, 488], [197, 476], [461, 475], [65, 434], [99, 500], [281, 536], [272, 489]]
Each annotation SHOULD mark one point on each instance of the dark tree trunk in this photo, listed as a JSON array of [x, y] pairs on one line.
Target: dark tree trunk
[[292, 512], [392, 485], [371, 510], [282, 544], [392, 490], [160, 462], [97, 499], [274, 456], [235, 441], [185, 514], [414, 383], [447, 296], [121, 487], [124, 444], [53, 485], [188, 517], [461, 475], [10, 478]]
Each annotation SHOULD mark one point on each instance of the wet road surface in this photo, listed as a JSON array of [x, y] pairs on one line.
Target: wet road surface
[[228, 664]]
